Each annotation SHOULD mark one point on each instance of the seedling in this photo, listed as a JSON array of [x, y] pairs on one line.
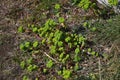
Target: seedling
[[35, 44], [29, 61], [20, 29], [77, 50], [57, 6], [85, 4], [35, 29], [113, 2], [44, 70], [49, 64], [22, 47], [61, 20], [52, 49], [76, 67], [66, 73], [22, 64], [62, 46], [31, 67], [25, 78], [27, 44]]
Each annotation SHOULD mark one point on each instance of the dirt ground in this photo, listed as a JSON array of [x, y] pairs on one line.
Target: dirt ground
[[10, 15]]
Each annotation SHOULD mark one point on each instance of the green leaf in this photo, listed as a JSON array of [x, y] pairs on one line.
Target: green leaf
[[76, 67], [28, 25], [70, 45], [51, 35], [81, 39], [93, 29], [61, 48], [49, 23], [61, 20], [52, 49], [35, 44], [43, 41], [76, 58], [35, 29], [67, 39], [85, 4], [29, 61], [36, 79], [22, 64], [61, 55], [57, 6], [60, 43], [22, 47], [64, 59], [85, 24], [75, 43], [44, 70], [89, 49], [31, 67], [67, 56], [77, 50], [113, 2], [25, 78], [66, 74], [59, 72], [27, 44], [32, 25], [58, 35], [57, 14], [49, 64], [35, 67], [93, 52], [20, 29]]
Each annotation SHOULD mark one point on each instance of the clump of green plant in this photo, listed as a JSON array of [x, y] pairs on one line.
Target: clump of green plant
[[84, 4], [25, 77], [49, 64], [28, 65], [113, 2], [89, 26], [57, 6], [29, 46], [63, 47], [20, 29], [65, 73]]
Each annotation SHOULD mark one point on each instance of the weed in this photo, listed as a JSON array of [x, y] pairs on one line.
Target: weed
[[44, 70], [85, 4], [20, 29], [113, 2], [76, 67], [49, 64], [66, 73], [22, 64], [61, 20], [63, 46], [31, 67], [25, 78], [57, 6], [35, 44]]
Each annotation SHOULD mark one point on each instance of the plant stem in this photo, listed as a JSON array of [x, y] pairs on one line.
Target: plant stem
[[51, 57]]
